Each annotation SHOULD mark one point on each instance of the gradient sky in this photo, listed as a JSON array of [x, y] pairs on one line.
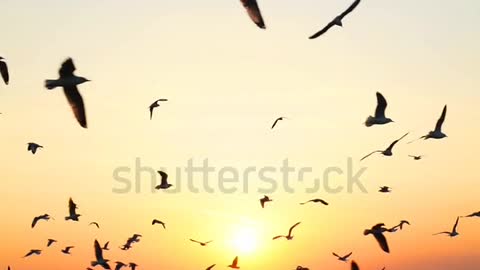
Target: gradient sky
[[226, 82]]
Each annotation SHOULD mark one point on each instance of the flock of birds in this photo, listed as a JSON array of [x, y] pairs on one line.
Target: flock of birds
[[69, 82]]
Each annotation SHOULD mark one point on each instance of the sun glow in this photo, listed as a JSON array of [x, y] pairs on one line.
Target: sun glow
[[245, 240]]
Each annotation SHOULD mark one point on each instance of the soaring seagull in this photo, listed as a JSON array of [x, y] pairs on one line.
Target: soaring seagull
[[72, 211], [301, 268], [387, 152], [164, 183], [155, 105], [385, 189], [234, 264], [337, 21], [416, 157], [156, 221], [33, 252], [99, 260], [254, 12], [4, 70], [437, 133], [454, 232], [94, 223], [377, 232], [33, 147], [264, 200], [201, 243], [67, 250], [51, 242], [315, 201], [45, 217], [476, 214], [343, 258], [290, 235], [68, 81], [379, 118], [276, 121], [400, 225]]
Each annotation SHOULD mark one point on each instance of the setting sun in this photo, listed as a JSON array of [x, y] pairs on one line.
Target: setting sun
[[245, 240]]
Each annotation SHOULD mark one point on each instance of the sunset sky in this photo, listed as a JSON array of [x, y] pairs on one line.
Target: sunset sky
[[227, 81]]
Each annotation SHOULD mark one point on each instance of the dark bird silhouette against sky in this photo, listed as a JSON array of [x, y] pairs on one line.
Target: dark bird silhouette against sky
[[337, 21], [290, 235], [4, 71], [254, 12], [379, 118]]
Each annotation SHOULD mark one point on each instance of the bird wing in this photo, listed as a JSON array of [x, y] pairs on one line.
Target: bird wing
[[348, 255], [335, 254], [396, 141], [293, 227], [354, 266], [323, 202], [277, 237], [235, 261], [98, 252], [350, 9], [106, 245], [254, 12], [195, 241], [381, 106], [34, 222], [456, 224], [67, 68], [438, 126], [76, 103], [382, 241], [441, 233], [323, 31], [275, 123], [151, 112], [4, 72], [210, 267], [164, 176], [72, 207], [378, 151]]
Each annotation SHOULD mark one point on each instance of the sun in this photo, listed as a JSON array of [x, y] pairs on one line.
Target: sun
[[245, 240]]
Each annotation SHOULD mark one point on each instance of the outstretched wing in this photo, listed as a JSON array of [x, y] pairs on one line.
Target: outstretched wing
[[378, 151], [323, 31], [275, 123], [98, 252], [293, 227], [254, 12], [76, 103], [277, 237], [210, 267], [381, 106], [67, 68], [350, 9], [4, 71], [382, 241], [455, 226], [354, 266], [396, 141], [440, 121]]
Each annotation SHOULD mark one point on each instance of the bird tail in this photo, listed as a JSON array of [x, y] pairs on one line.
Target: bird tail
[[369, 122], [50, 84], [68, 218], [93, 264]]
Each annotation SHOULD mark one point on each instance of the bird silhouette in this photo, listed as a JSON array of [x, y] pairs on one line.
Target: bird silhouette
[[67, 250], [164, 181], [119, 265], [290, 235], [387, 152], [201, 243], [51, 242], [342, 258], [155, 105], [337, 21], [315, 201], [33, 147], [377, 231], [277, 120], [45, 217], [33, 252], [254, 12], [454, 232], [72, 210], [234, 264], [437, 132], [105, 247], [96, 224], [156, 221], [379, 117], [210, 267], [264, 200], [99, 260], [4, 71], [385, 189]]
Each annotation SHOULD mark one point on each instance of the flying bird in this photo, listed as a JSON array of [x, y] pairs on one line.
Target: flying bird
[[155, 105], [164, 183], [51, 242], [264, 200], [385, 189], [315, 201], [234, 264], [476, 214], [94, 223], [387, 152], [156, 221], [33, 147], [99, 260], [45, 217], [379, 118], [416, 157], [377, 232], [276, 121], [72, 210], [254, 12], [119, 265], [4, 70], [105, 247], [210, 267], [301, 268], [67, 250], [201, 243], [133, 266], [454, 232], [437, 132], [343, 258], [337, 21], [33, 252], [68, 81], [289, 236]]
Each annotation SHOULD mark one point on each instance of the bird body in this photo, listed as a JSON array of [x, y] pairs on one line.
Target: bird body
[[155, 105], [315, 201], [33, 252], [33, 147], [379, 118], [377, 231], [156, 221], [96, 224], [99, 260], [72, 210], [234, 264], [454, 232], [51, 242], [385, 189], [264, 200], [201, 243], [387, 152], [164, 181], [337, 21], [437, 132], [4, 71], [67, 250], [416, 157], [45, 217]]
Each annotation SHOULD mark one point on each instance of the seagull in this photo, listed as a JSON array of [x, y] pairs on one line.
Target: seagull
[[437, 133], [403, 222], [45, 217], [4, 70], [68, 81], [385, 189], [316, 201], [278, 119], [302, 268], [32, 147], [155, 105], [264, 200], [105, 247], [289, 236], [234, 264], [387, 152], [72, 208], [354, 266], [132, 265], [164, 183], [254, 12], [156, 221], [377, 232], [343, 258], [416, 157], [210, 267], [119, 265], [99, 260], [33, 252], [379, 118], [201, 243], [67, 250], [51, 242], [454, 232], [337, 21], [95, 223], [476, 214]]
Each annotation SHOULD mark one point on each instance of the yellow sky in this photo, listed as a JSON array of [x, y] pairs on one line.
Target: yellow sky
[[226, 82]]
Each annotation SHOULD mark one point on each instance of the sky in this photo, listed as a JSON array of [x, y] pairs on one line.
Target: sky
[[227, 81]]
